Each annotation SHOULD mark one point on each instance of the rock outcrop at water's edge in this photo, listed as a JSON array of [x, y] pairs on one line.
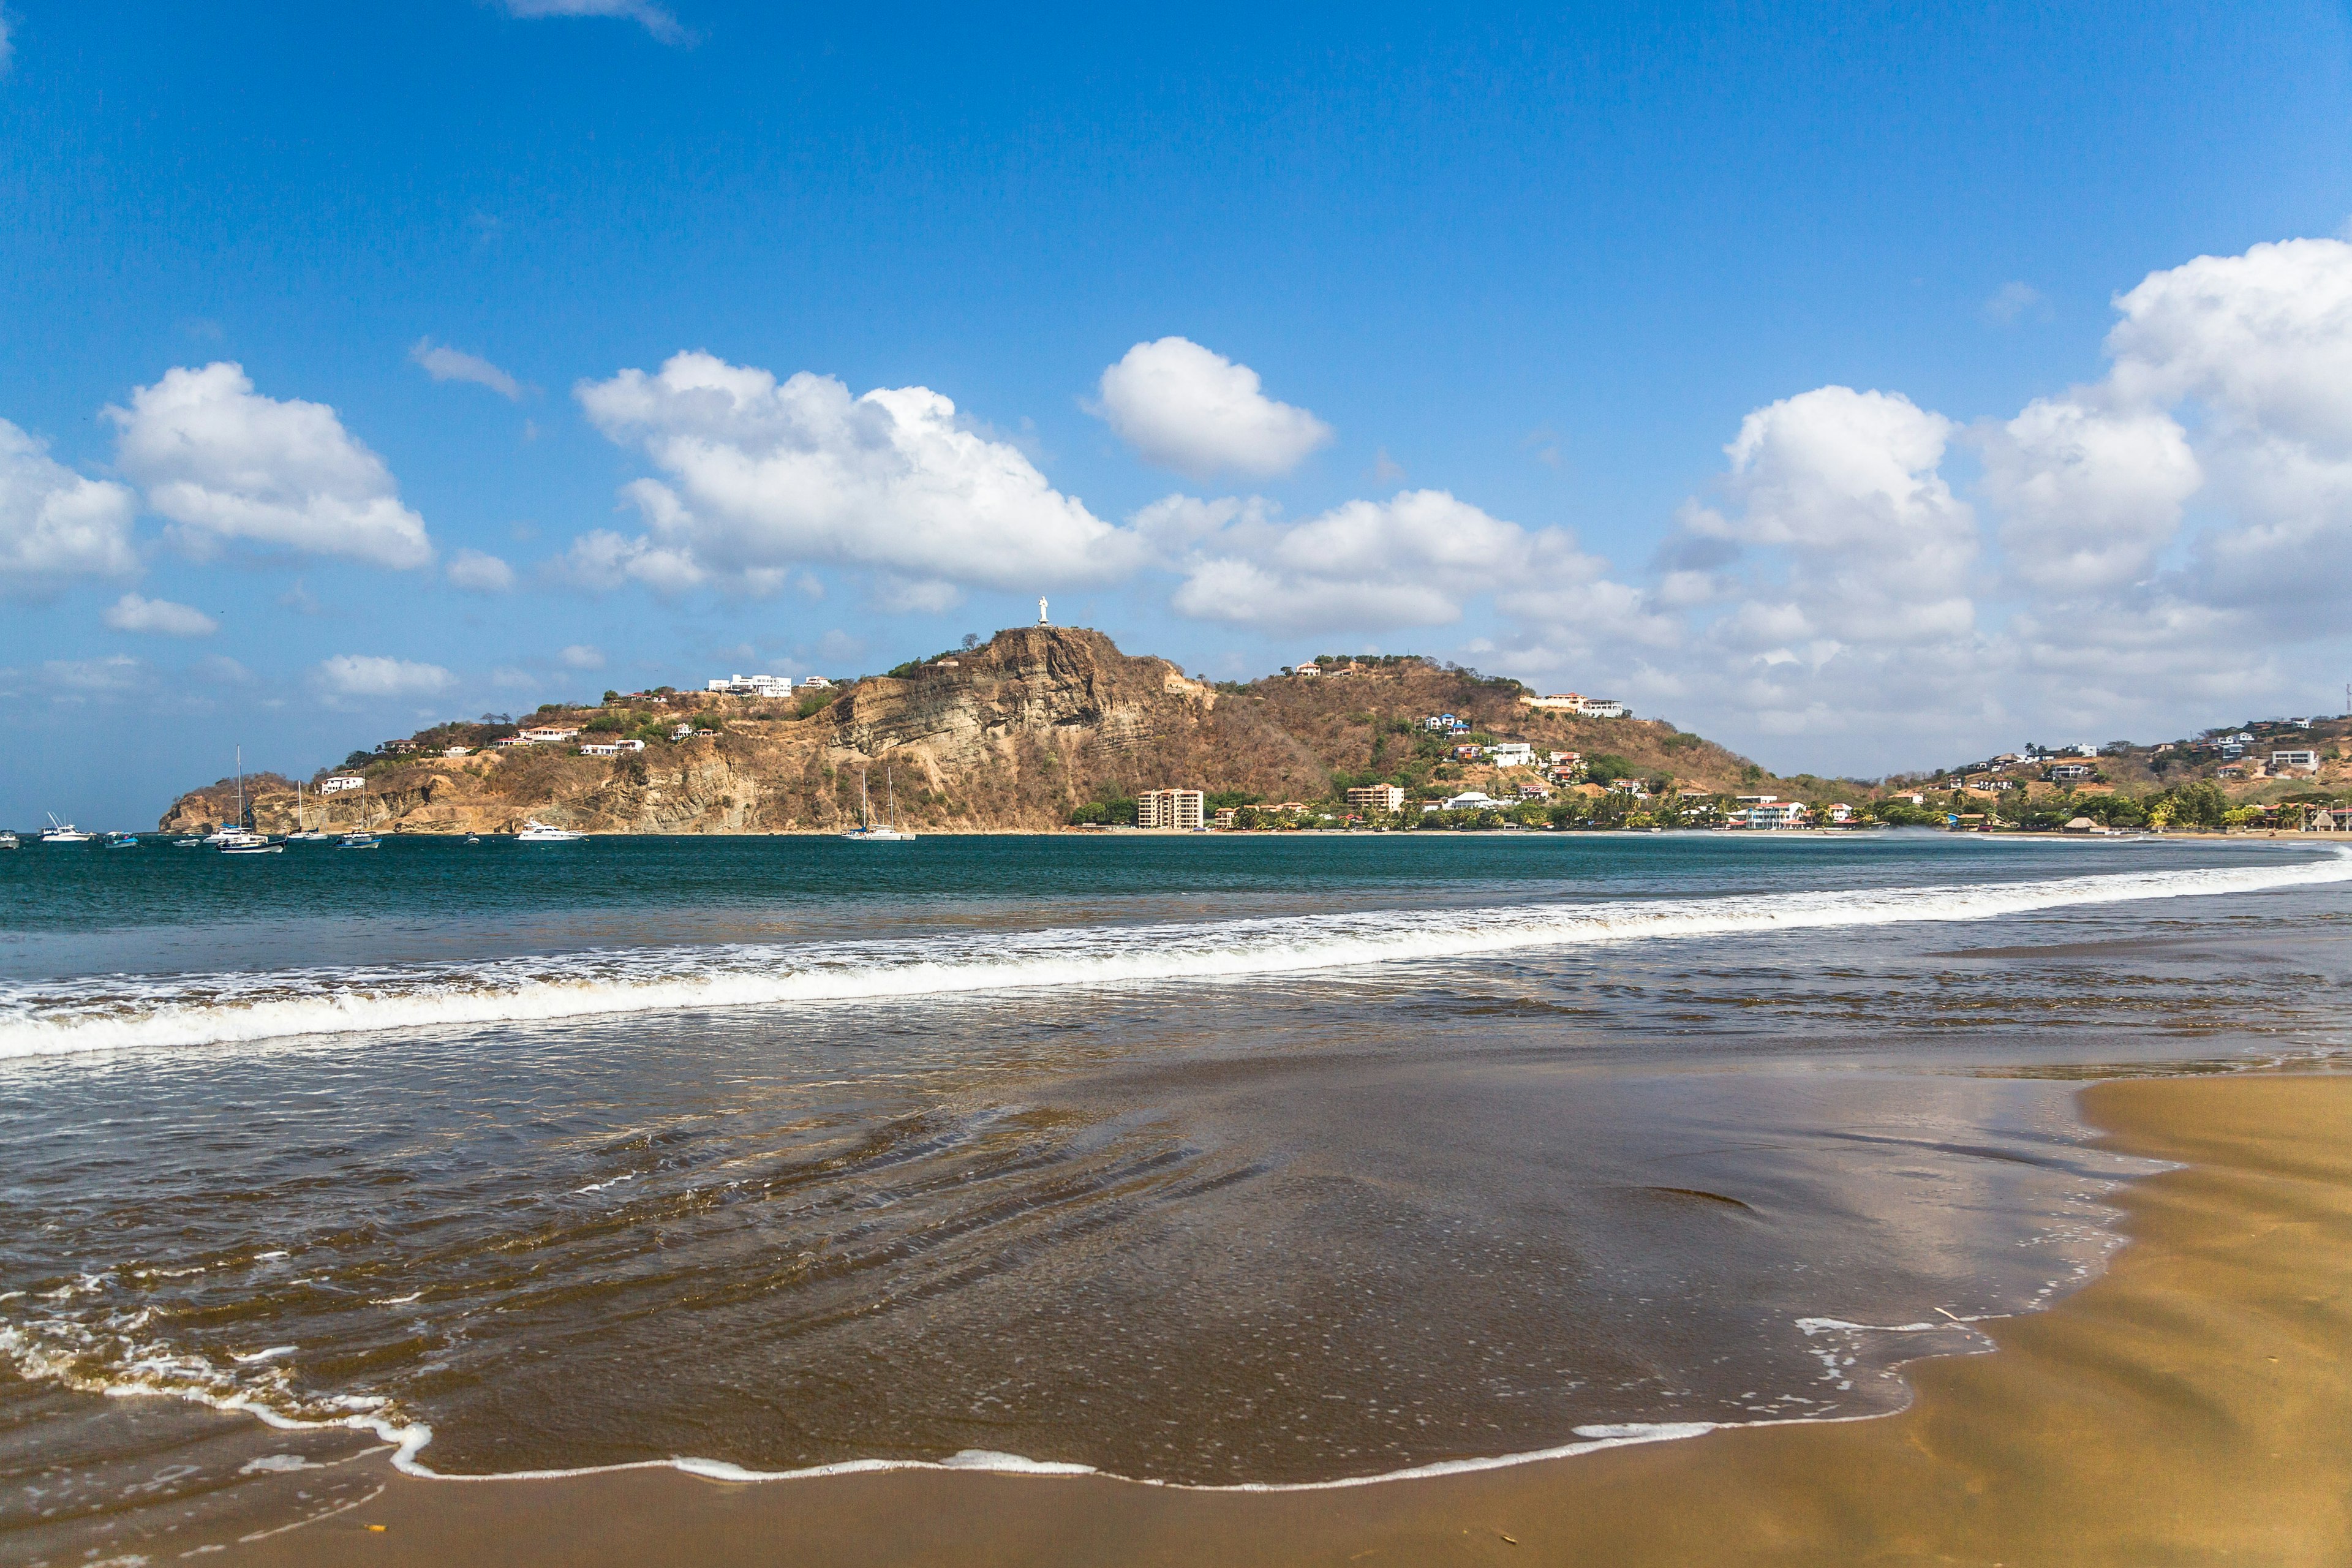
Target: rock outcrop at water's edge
[[1008, 736]]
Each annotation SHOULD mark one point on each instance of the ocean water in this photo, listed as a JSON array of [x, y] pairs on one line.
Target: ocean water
[[1213, 1162]]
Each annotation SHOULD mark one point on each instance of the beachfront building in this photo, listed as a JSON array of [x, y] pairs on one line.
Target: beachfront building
[[1773, 815], [1181, 809], [1375, 798], [1472, 800]]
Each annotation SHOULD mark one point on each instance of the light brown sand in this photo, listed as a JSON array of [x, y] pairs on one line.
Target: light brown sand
[[2192, 1406]]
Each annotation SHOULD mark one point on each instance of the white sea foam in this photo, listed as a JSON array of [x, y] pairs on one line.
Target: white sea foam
[[118, 1012]]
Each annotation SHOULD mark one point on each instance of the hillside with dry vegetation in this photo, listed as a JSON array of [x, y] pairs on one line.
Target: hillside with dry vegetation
[[1016, 734], [1041, 726]]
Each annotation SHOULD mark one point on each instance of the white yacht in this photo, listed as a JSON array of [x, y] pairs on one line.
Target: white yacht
[[534, 831], [8, 840], [870, 832], [233, 838], [65, 833]]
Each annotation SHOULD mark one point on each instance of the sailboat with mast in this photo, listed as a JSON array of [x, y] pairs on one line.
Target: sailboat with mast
[[236, 838], [868, 831], [303, 832]]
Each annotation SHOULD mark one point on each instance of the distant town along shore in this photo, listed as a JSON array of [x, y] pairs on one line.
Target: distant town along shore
[[1053, 728]]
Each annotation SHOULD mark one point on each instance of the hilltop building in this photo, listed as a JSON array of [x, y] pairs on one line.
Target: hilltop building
[[752, 686], [1582, 706]]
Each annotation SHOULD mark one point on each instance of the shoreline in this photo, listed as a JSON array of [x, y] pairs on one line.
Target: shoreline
[[2189, 1402], [1869, 831]]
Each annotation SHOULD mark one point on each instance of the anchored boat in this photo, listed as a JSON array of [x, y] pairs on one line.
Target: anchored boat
[[868, 831]]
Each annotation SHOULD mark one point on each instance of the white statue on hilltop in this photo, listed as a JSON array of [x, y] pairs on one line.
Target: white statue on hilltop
[[1041, 612]]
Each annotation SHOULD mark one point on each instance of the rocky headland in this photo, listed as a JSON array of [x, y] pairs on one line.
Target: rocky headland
[[1010, 736]]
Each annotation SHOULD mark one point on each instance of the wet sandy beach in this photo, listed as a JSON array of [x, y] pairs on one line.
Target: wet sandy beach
[[2190, 1406]]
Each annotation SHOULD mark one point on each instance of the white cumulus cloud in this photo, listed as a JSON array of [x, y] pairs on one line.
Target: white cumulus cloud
[[2260, 346], [372, 674], [582, 656], [443, 362], [2091, 496], [1847, 488], [224, 462], [56, 525], [160, 617], [759, 476], [479, 571], [1414, 559], [1187, 409]]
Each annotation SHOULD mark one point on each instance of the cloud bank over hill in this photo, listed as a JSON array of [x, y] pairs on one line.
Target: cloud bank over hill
[[1865, 576], [1863, 565]]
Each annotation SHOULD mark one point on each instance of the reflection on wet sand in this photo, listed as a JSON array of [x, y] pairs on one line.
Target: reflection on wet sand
[[2190, 1405]]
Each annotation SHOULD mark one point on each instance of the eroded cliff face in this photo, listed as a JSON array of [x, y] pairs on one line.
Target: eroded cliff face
[[1009, 736]]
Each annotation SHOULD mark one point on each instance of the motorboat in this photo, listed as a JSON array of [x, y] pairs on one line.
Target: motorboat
[[868, 831], [65, 833], [123, 841], [259, 846], [188, 844], [8, 840], [534, 831], [363, 839]]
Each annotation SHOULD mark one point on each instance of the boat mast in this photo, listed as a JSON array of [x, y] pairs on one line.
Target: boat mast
[[240, 788], [865, 812], [890, 783]]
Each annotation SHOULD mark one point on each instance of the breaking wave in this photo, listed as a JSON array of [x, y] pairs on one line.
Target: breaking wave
[[127, 1011]]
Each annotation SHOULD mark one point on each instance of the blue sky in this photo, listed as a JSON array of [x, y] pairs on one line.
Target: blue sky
[[1434, 333]]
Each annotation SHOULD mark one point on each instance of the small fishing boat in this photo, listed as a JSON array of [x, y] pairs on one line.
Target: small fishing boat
[[534, 831], [870, 832], [65, 833], [261, 847], [363, 839], [188, 844], [123, 841], [8, 840]]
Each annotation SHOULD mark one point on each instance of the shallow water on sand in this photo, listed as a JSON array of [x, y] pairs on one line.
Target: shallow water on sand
[[1218, 1162]]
